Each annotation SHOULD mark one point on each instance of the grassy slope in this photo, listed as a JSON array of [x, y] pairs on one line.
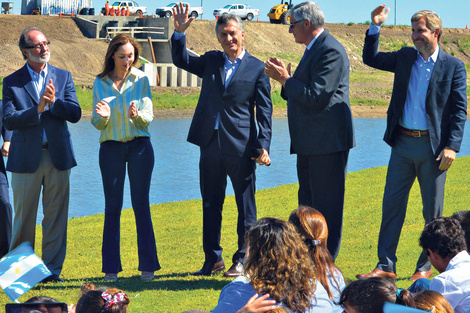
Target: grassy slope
[[178, 232]]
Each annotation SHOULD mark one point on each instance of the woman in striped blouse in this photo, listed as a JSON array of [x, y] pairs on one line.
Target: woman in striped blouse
[[122, 112]]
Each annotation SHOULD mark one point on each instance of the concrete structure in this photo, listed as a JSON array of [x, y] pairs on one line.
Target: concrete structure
[[149, 32]]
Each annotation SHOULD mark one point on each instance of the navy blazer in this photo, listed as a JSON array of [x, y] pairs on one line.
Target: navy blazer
[[320, 118], [446, 97], [21, 116], [249, 87], [6, 134]]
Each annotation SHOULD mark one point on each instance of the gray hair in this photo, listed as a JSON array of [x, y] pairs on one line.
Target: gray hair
[[24, 39], [225, 19], [308, 10]]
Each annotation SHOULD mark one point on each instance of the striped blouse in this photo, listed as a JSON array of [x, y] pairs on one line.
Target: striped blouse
[[118, 126]]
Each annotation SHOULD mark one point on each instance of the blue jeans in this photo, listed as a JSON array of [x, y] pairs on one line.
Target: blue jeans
[[419, 285], [139, 158]]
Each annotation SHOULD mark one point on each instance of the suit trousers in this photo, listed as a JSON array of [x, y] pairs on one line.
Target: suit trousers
[[322, 181], [411, 158], [214, 167], [5, 214], [138, 155], [55, 202]]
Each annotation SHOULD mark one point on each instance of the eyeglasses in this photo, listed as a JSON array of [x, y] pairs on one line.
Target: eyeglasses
[[39, 46], [291, 25]]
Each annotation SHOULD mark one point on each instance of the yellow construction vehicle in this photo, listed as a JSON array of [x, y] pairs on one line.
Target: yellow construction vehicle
[[278, 13]]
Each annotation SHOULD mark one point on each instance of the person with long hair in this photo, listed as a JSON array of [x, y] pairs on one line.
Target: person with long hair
[[370, 295], [313, 230], [432, 301], [277, 263], [122, 112]]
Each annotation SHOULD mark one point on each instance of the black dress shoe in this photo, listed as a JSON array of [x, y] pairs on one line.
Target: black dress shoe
[[209, 269], [52, 279], [235, 270]]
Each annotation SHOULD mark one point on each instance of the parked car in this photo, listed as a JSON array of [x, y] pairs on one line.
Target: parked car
[[242, 10], [168, 10], [134, 8]]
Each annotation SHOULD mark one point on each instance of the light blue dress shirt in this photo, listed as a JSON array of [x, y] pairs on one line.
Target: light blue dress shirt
[[229, 68], [414, 113], [39, 82]]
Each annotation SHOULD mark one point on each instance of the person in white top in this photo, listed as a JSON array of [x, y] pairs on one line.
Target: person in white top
[[443, 241]]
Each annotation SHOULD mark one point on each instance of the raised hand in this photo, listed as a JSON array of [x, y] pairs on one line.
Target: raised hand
[[102, 109], [275, 69], [378, 15], [48, 97], [181, 20], [132, 111]]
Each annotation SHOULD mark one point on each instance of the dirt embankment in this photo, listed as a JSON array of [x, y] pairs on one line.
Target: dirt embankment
[[83, 57]]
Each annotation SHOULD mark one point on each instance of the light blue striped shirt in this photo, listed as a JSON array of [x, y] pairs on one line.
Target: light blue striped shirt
[[119, 127], [414, 113], [39, 82]]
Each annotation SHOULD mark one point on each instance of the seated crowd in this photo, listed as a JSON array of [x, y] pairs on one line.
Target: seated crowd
[[289, 269]]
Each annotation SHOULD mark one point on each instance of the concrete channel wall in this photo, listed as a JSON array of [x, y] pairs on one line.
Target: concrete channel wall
[[149, 33]]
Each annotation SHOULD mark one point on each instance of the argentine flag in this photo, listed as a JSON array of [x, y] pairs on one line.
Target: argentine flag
[[21, 270]]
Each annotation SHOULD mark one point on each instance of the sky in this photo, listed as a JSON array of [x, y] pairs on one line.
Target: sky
[[454, 13]]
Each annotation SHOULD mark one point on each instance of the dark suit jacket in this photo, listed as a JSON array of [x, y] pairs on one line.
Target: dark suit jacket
[[21, 116], [320, 119], [6, 134], [446, 97], [248, 88]]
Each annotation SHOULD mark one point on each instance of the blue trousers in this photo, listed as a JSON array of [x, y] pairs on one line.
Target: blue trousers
[[411, 158], [419, 285], [5, 212], [139, 158], [214, 167]]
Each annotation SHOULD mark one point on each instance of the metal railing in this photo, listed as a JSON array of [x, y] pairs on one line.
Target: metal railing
[[147, 31]]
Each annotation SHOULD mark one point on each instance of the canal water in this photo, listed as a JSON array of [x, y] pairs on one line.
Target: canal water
[[175, 176]]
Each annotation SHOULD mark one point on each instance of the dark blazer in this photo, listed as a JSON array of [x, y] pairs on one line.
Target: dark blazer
[[21, 116], [446, 97], [6, 134], [320, 119], [248, 88]]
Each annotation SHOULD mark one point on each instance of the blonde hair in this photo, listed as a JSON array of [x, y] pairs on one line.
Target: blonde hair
[[432, 301], [433, 22], [313, 230]]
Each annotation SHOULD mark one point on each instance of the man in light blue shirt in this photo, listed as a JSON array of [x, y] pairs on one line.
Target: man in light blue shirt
[[425, 123], [38, 101], [232, 127]]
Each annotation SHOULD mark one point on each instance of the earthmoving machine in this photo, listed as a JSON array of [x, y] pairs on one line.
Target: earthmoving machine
[[278, 13]]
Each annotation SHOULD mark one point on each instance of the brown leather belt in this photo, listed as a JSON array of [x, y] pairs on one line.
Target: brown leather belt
[[413, 133], [45, 146]]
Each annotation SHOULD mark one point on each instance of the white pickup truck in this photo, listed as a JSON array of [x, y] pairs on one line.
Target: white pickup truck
[[134, 8], [168, 10], [242, 10]]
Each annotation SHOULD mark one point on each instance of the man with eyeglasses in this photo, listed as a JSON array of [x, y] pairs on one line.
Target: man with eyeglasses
[[319, 116], [38, 100], [425, 126]]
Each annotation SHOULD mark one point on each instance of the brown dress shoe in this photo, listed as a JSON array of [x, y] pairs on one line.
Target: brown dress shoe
[[235, 270], [377, 273], [209, 269], [421, 274]]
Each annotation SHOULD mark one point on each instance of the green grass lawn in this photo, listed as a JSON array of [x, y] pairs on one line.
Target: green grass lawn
[[178, 228]]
